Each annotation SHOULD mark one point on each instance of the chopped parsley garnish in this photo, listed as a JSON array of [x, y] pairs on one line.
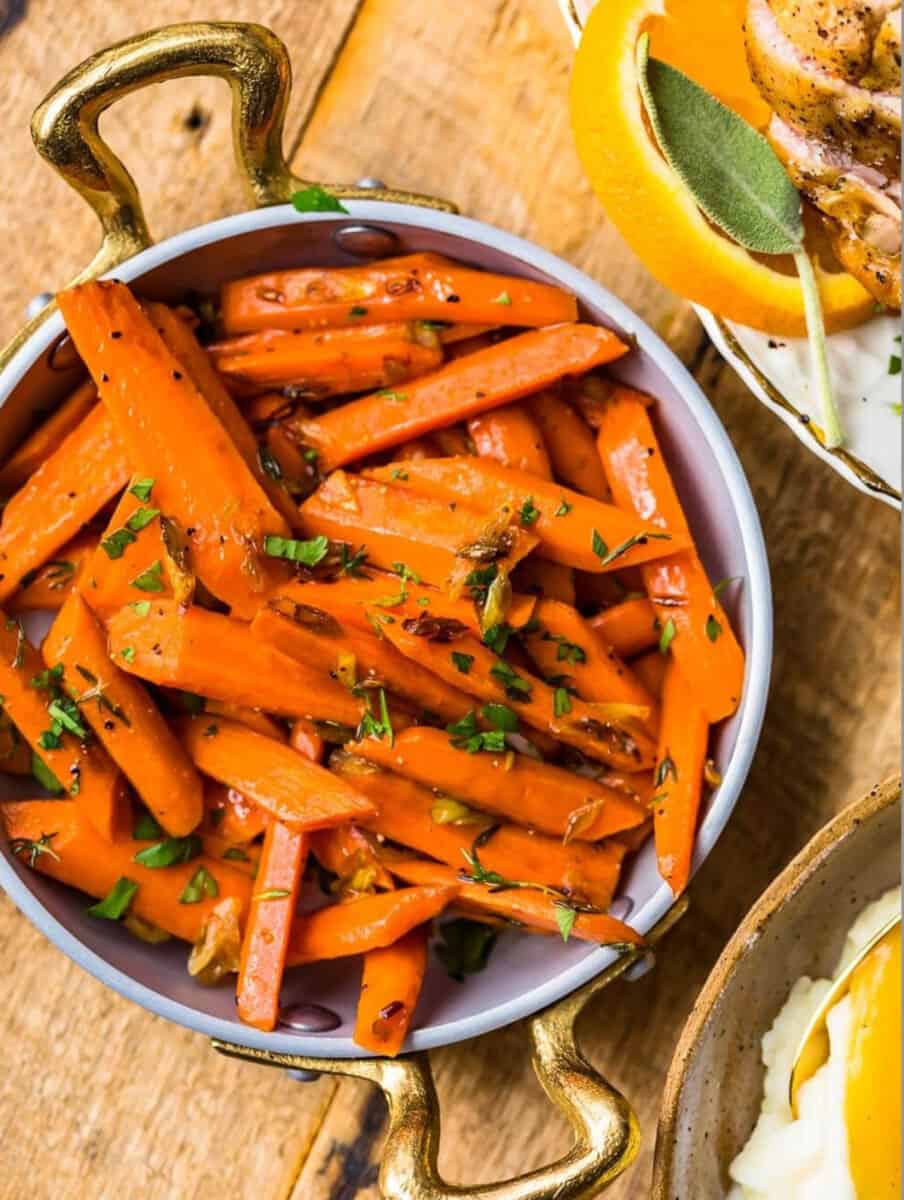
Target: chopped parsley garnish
[[399, 475], [235, 854], [171, 852], [115, 545], [561, 702], [607, 556], [564, 508], [479, 582], [150, 580], [569, 652], [202, 884], [141, 489], [47, 680], [392, 396], [357, 311], [64, 712], [894, 364], [376, 727], [147, 828], [308, 554], [116, 903], [713, 629], [503, 298], [516, 688], [497, 637], [127, 653], [316, 199], [465, 735], [669, 631], [529, 514], [565, 919], [142, 607], [465, 947], [352, 564], [463, 662], [500, 717], [665, 769]]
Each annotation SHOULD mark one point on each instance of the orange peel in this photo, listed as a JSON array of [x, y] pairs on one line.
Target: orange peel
[[652, 209]]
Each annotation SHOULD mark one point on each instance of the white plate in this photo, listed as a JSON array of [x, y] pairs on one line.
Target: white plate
[[777, 371]]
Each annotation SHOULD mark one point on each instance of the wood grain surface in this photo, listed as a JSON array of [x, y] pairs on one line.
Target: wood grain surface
[[466, 100]]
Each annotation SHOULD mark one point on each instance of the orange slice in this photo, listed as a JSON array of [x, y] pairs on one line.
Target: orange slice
[[645, 199]]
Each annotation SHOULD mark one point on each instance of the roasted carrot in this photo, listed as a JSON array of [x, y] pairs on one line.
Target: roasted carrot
[[125, 719], [650, 669], [570, 444], [72, 851], [455, 335], [419, 287], [279, 780], [331, 362], [46, 589], [453, 440], [308, 740], [70, 487], [539, 577], [397, 525], [530, 793], [533, 909], [252, 717], [173, 436], [139, 549], [511, 436], [311, 636], [32, 702], [350, 855], [266, 938], [390, 986], [487, 379], [697, 628], [180, 340], [351, 599], [573, 529], [364, 925], [629, 628], [599, 731], [233, 817], [563, 646], [210, 655], [424, 447], [406, 814], [46, 438], [679, 777]]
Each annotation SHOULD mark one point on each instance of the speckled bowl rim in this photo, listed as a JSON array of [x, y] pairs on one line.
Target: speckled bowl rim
[[768, 909]]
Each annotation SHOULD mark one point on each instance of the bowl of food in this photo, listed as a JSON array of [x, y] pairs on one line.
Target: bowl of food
[[395, 570], [728, 1128], [825, 92]]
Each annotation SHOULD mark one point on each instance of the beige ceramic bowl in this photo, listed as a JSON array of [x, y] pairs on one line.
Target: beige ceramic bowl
[[797, 928]]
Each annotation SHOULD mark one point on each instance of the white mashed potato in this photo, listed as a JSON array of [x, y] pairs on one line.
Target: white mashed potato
[[806, 1159]]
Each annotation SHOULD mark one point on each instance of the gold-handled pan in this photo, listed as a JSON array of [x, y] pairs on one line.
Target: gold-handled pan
[[540, 979]]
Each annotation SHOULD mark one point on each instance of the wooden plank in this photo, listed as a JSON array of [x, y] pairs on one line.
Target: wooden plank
[[175, 138]]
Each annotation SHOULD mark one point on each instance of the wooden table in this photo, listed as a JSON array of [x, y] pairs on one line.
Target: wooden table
[[466, 100]]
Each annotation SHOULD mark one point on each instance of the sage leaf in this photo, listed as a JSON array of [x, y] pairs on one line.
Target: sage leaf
[[731, 170]]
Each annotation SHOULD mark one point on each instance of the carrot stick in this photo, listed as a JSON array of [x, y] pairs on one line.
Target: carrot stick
[[331, 362], [124, 718], [364, 925], [82, 859], [308, 740], [531, 793], [210, 655], [419, 287], [511, 436], [350, 855], [679, 778], [351, 598], [46, 589], [311, 636], [406, 815], [252, 717], [390, 986], [564, 645], [173, 436], [399, 526], [266, 938], [701, 640], [289, 787], [234, 817], [570, 444], [533, 909], [80, 766], [46, 438], [650, 669], [629, 628], [540, 577], [487, 379], [70, 487], [594, 729], [565, 522], [425, 447], [179, 339], [455, 335]]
